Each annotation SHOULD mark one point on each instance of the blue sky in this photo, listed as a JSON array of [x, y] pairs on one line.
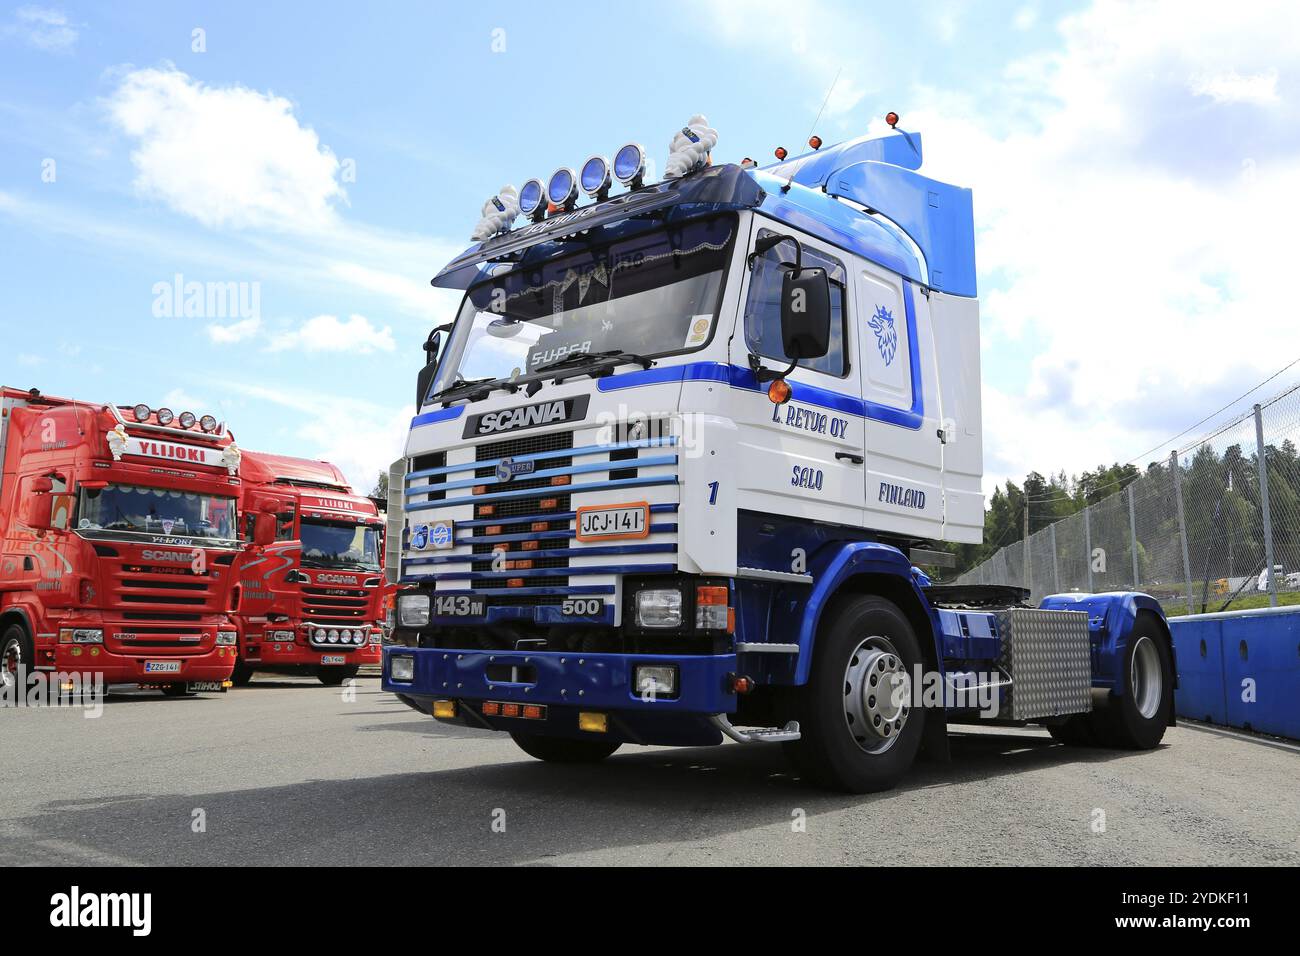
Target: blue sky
[[332, 156]]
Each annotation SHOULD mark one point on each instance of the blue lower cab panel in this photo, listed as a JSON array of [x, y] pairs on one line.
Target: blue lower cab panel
[[568, 682]]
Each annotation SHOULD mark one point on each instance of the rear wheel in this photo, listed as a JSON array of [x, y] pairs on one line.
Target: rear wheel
[[564, 750], [16, 654], [334, 676], [1137, 719], [860, 730]]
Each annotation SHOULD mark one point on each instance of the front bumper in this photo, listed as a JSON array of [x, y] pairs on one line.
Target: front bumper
[[141, 668], [568, 683]]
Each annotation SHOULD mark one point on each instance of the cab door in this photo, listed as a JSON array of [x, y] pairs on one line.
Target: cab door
[[802, 459], [903, 416]]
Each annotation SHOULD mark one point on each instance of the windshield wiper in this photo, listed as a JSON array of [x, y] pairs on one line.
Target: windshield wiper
[[475, 389], [583, 362]]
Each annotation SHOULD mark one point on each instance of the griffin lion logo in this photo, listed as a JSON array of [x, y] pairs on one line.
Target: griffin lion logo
[[882, 323]]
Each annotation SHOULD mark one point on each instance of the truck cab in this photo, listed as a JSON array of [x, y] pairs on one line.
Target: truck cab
[[119, 529], [674, 458], [312, 601]]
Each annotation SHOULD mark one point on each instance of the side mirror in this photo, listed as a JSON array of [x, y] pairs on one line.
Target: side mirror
[[36, 511], [263, 529], [806, 313], [432, 346]]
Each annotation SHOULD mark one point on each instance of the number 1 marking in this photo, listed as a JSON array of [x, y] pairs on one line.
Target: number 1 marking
[[713, 492]]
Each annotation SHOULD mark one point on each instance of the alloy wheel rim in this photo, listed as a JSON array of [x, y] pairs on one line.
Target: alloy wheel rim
[[877, 695]]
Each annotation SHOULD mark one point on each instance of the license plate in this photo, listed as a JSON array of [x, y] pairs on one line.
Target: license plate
[[332, 659], [162, 667], [458, 605], [206, 687], [603, 522]]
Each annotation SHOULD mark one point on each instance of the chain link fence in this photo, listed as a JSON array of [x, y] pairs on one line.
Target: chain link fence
[[1196, 530]]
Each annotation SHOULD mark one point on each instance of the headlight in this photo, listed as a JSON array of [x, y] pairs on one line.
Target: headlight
[[401, 667], [376, 637], [659, 607], [286, 636], [656, 680], [413, 610], [81, 635], [227, 637]]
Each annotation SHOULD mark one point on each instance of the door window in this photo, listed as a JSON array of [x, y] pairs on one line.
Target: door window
[[763, 308]]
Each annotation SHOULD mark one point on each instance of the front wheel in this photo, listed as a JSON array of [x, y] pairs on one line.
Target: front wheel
[[564, 750], [242, 675], [334, 676], [15, 656], [861, 731]]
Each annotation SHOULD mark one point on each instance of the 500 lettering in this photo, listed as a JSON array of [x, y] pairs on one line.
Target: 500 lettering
[[582, 607]]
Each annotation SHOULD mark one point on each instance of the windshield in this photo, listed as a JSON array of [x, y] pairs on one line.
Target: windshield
[[170, 512], [651, 294], [339, 544]]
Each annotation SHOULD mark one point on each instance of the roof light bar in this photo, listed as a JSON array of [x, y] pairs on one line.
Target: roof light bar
[[595, 178], [629, 165], [562, 188]]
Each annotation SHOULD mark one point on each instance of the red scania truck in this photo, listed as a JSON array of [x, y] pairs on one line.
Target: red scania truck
[[312, 602], [118, 536]]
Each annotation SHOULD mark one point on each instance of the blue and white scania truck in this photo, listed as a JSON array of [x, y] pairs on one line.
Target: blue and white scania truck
[[675, 461]]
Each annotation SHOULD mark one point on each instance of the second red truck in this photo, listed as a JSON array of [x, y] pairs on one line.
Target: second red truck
[[312, 602]]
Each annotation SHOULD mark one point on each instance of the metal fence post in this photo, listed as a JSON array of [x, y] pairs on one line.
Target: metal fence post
[[1133, 540], [1263, 506], [1182, 527], [1087, 543], [1056, 571]]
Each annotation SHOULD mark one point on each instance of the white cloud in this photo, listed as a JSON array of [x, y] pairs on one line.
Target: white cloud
[[359, 436], [29, 360], [235, 332], [1025, 18], [226, 156], [44, 28], [179, 400], [1232, 87], [328, 333]]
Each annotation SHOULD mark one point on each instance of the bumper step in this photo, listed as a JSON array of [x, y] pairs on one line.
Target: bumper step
[[756, 735]]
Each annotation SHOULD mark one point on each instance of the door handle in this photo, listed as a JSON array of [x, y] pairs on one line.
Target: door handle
[[849, 456]]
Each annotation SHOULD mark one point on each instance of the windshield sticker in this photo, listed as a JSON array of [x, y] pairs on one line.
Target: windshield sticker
[[698, 332]]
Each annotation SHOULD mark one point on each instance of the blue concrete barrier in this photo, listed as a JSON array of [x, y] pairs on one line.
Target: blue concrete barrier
[[1240, 669]]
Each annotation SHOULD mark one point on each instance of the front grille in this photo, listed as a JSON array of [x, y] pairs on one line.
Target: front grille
[[528, 505], [162, 589], [335, 605]]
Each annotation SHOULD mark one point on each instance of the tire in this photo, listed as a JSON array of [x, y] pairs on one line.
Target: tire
[[334, 676], [853, 740], [175, 690], [16, 652], [564, 750], [1137, 720], [1076, 731], [242, 675]]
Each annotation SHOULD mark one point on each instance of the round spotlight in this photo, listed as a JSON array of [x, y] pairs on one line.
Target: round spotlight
[[562, 189], [333, 636], [629, 164], [358, 637], [187, 419], [319, 635], [531, 194], [166, 416], [595, 176], [142, 412], [208, 423]]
